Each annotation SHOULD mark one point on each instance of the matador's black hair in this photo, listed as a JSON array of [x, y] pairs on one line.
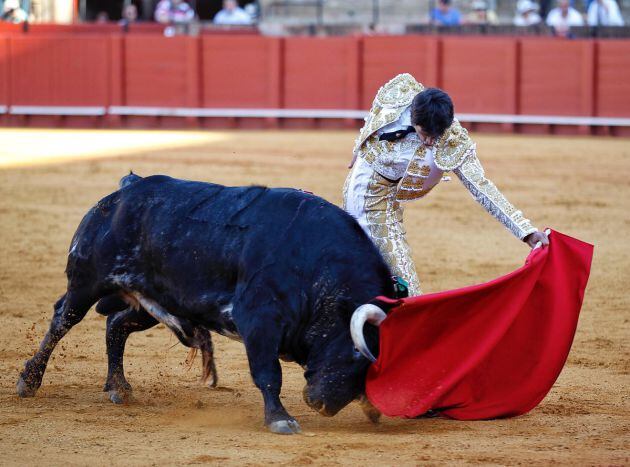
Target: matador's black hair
[[432, 109]]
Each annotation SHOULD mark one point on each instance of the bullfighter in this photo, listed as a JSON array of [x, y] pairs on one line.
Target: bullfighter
[[409, 141]]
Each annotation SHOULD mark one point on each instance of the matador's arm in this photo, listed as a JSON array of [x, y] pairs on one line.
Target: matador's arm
[[471, 174]]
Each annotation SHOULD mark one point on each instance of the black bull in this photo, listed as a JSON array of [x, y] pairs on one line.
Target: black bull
[[280, 269]]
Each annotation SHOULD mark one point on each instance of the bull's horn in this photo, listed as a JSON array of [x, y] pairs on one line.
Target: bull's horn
[[373, 315]]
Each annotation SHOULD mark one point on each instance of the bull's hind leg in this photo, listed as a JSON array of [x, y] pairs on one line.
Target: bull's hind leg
[[189, 334], [119, 326], [203, 339], [69, 310]]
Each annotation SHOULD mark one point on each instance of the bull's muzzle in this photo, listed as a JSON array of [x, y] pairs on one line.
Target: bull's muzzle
[[316, 404], [365, 313]]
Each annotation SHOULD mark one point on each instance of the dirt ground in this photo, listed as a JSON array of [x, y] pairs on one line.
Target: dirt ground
[[48, 179]]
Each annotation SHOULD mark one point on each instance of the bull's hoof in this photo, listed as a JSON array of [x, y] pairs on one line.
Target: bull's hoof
[[24, 390], [371, 412], [210, 381], [118, 389], [285, 427], [119, 397]]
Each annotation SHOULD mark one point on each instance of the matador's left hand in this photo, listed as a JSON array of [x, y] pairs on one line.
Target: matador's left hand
[[536, 237]]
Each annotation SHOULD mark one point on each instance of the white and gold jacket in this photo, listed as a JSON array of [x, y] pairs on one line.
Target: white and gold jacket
[[453, 151]]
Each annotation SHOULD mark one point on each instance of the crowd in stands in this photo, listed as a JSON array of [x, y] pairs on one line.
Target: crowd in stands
[[179, 11], [168, 12], [176, 15], [561, 15], [561, 18]]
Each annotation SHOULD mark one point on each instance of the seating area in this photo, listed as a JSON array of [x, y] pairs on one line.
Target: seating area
[[385, 12]]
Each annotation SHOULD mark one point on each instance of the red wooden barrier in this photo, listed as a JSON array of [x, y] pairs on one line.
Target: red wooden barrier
[[4, 70], [62, 71], [530, 76], [557, 77], [10, 28], [480, 74], [321, 73], [85, 28], [613, 79], [116, 94], [241, 71], [386, 56], [161, 71]]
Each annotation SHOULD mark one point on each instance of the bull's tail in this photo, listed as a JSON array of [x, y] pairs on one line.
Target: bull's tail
[[129, 179]]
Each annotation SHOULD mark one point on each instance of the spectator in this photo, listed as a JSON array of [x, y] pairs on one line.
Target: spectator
[[174, 12], [445, 15], [526, 14], [102, 17], [12, 13], [604, 13], [129, 14], [481, 14], [232, 14], [252, 10], [563, 18]]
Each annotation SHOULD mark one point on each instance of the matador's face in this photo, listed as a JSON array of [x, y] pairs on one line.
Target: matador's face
[[426, 139]]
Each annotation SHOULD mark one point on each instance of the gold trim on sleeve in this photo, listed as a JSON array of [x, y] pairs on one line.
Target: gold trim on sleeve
[[452, 147], [472, 175], [389, 104]]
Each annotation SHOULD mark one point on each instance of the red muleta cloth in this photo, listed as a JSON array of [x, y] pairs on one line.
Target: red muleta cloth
[[486, 351]]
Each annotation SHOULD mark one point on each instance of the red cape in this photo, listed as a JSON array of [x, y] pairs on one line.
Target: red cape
[[485, 351]]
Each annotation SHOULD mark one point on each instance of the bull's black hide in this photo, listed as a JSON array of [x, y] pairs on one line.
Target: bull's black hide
[[280, 269]]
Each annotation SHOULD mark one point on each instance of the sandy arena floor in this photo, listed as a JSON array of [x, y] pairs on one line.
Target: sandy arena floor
[[48, 179]]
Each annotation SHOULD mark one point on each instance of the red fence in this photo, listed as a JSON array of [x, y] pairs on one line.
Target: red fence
[[65, 71], [488, 75], [241, 72]]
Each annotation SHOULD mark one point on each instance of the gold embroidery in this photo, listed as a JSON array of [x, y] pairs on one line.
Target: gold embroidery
[[399, 91], [344, 192], [452, 147], [382, 156], [389, 104], [411, 194], [384, 217], [414, 167], [412, 184], [485, 192]]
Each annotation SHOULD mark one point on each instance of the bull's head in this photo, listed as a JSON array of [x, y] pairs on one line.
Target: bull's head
[[336, 372]]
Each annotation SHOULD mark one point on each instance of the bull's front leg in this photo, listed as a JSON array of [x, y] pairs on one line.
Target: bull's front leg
[[262, 346]]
